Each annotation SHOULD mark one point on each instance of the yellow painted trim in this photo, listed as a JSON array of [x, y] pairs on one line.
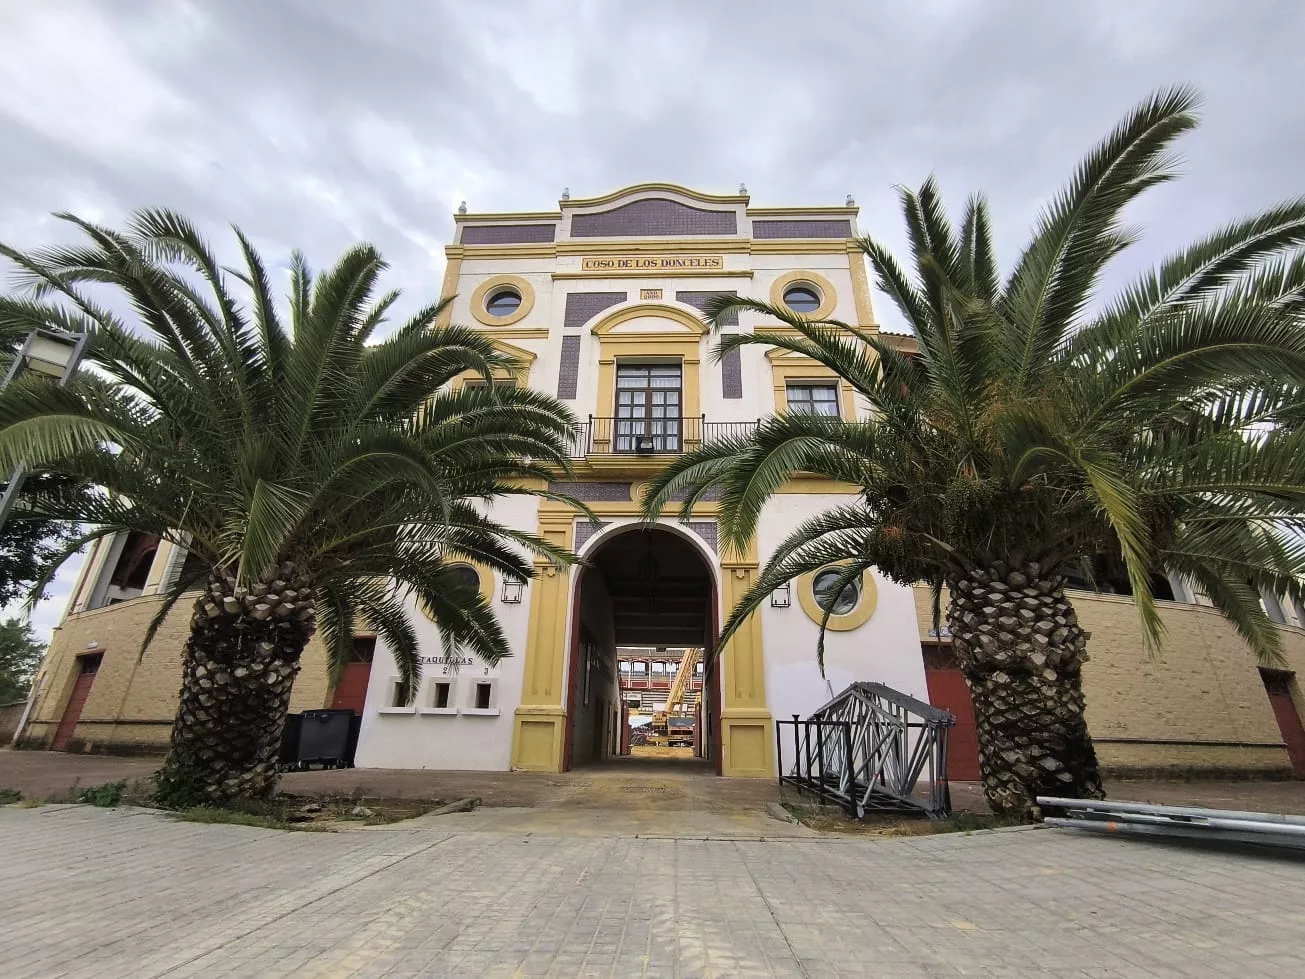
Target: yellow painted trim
[[539, 724], [452, 271], [679, 314], [644, 246], [747, 727], [683, 344], [676, 189], [787, 366], [518, 333], [509, 216], [828, 294], [816, 485], [525, 360], [854, 619], [483, 290], [865, 311], [798, 246], [661, 245], [533, 250], [659, 274], [798, 212]]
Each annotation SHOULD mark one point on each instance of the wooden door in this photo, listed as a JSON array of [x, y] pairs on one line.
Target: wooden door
[[948, 690], [351, 692], [1278, 686], [87, 667]]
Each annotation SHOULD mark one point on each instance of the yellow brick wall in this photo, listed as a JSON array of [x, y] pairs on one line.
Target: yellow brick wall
[[133, 699], [1204, 686]]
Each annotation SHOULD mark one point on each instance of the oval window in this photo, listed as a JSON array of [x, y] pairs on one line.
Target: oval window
[[802, 299], [822, 586], [504, 302], [465, 577]]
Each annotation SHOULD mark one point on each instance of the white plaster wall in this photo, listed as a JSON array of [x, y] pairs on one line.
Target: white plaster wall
[[886, 649], [461, 741]]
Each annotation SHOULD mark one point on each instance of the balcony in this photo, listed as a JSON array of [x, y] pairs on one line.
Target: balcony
[[634, 437]]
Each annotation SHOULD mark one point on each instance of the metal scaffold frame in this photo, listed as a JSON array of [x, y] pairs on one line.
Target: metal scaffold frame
[[867, 750]]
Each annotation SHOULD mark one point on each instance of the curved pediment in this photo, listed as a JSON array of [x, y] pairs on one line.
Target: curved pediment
[[662, 189], [651, 318]]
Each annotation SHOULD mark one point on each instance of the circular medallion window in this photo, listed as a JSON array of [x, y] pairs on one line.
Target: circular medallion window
[[802, 298], [848, 609], [504, 302], [805, 292], [465, 577], [469, 579], [823, 585]]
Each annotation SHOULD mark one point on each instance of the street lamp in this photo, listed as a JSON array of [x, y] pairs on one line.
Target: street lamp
[[50, 353]]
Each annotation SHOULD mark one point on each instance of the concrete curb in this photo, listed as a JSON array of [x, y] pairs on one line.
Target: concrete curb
[[461, 805]]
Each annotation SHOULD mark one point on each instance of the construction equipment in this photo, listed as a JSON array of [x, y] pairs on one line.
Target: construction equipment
[[1181, 822], [672, 726], [867, 749]]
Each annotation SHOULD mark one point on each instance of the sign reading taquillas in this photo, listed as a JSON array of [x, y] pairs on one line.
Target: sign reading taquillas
[[657, 263]]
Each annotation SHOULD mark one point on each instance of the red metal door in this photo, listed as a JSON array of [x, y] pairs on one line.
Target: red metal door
[[88, 666], [1278, 686], [351, 691], [948, 690]]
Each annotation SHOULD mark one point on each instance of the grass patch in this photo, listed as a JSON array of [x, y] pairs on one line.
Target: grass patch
[[321, 813], [106, 796], [9, 796]]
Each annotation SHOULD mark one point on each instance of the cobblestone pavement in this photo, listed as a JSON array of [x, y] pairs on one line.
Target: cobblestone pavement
[[88, 892]]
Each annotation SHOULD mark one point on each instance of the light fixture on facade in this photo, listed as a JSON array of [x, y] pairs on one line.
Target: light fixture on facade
[[644, 445], [779, 598], [513, 588]]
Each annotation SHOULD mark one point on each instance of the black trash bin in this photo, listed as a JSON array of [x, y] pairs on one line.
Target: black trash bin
[[324, 737], [289, 757]]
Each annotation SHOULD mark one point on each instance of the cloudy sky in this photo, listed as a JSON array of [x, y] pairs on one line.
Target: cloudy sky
[[321, 122]]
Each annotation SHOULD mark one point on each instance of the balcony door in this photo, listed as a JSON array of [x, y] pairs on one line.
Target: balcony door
[[648, 408]]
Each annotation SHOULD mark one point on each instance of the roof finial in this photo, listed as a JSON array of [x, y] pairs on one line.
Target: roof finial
[[743, 190], [850, 202], [462, 208], [566, 193]]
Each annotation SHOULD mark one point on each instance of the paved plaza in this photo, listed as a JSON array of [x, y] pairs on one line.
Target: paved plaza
[[93, 892]]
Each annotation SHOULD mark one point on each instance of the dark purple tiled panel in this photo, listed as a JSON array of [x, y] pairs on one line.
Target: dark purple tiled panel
[[568, 371], [801, 229], [584, 530], [706, 529], [581, 307], [594, 492], [507, 234], [699, 299], [731, 374], [654, 216]]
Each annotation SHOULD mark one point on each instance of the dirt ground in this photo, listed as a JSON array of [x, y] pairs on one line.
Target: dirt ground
[[671, 783]]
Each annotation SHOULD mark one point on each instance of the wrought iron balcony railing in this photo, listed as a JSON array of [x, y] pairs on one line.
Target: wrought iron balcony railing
[[651, 436]]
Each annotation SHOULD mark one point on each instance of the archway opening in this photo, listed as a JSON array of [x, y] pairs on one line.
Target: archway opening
[[644, 690]]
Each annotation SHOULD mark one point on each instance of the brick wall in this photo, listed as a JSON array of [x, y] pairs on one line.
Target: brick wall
[[1199, 706], [133, 698]]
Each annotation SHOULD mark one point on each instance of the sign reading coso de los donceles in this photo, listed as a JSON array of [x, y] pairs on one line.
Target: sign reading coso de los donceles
[[655, 263]]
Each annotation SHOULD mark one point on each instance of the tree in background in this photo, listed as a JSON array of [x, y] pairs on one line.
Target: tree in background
[[320, 479], [20, 655], [1039, 427]]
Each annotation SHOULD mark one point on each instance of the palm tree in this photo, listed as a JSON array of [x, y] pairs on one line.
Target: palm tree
[[318, 478], [1037, 428]]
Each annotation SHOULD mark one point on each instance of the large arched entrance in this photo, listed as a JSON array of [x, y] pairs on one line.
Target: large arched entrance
[[643, 683]]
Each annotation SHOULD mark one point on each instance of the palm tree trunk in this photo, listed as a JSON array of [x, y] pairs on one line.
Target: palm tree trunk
[[240, 665], [1020, 646]]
